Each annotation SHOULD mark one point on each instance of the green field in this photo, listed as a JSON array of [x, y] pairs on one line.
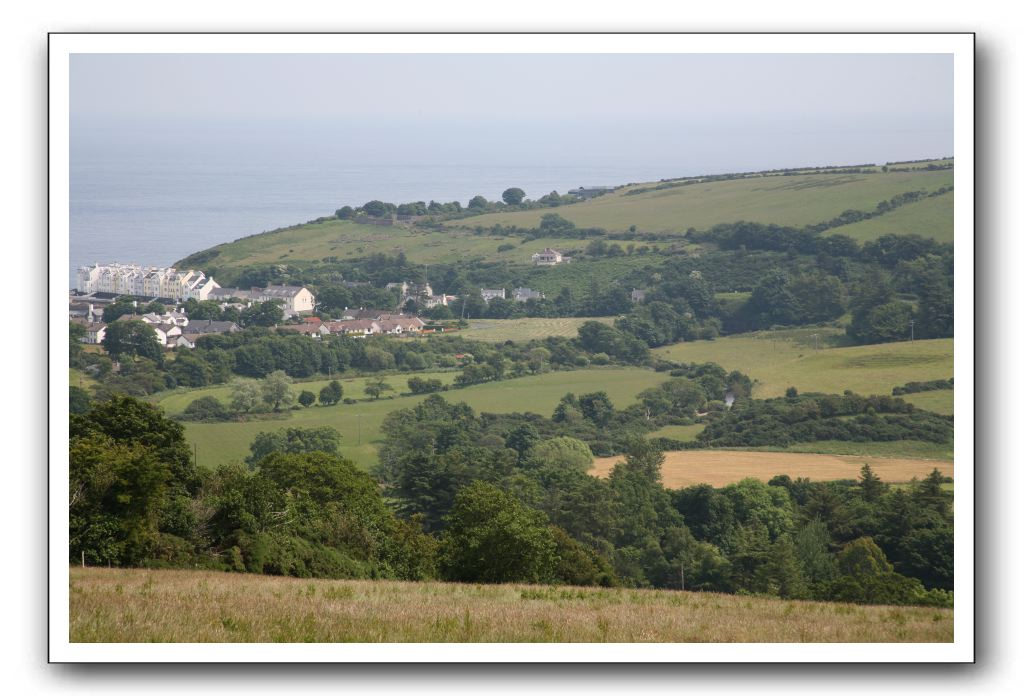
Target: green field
[[684, 433], [941, 401], [780, 359], [174, 606], [359, 424], [500, 330], [898, 449], [930, 217], [783, 200]]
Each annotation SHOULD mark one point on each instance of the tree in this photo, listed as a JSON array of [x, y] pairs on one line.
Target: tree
[[871, 486], [306, 398], [132, 339], [491, 537], [244, 395], [207, 408], [269, 313], [118, 308], [293, 441], [513, 196], [375, 387], [477, 203], [863, 558], [564, 452], [332, 393], [597, 407], [276, 390], [78, 400]]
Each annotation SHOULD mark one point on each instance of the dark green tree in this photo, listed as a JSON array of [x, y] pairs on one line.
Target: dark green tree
[[513, 196]]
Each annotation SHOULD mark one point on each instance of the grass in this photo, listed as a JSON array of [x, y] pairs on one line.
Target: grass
[[777, 360], [359, 424], [685, 433], [722, 467], [940, 401], [910, 449], [347, 240], [500, 330], [174, 606], [788, 200], [930, 217]]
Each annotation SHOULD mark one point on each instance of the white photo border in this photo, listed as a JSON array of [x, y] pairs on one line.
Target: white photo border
[[960, 45]]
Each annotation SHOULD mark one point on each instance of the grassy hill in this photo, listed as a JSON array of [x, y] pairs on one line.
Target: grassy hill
[[780, 359], [191, 606], [359, 424], [784, 200], [928, 217]]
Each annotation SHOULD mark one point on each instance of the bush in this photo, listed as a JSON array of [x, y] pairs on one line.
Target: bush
[[207, 408]]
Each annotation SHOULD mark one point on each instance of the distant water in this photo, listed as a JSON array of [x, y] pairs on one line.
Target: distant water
[[155, 212]]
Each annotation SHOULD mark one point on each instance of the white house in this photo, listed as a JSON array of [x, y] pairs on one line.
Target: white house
[[297, 300], [523, 294], [548, 257], [488, 294]]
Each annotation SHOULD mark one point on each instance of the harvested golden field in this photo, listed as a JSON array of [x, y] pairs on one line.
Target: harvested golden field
[[721, 467], [195, 606]]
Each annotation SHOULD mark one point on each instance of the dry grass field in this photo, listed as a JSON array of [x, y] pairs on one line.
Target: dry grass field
[[722, 467], [192, 606]]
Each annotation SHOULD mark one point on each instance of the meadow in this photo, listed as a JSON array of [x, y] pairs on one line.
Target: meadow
[[527, 329], [784, 200], [138, 605], [777, 360], [359, 424], [722, 467], [929, 217]]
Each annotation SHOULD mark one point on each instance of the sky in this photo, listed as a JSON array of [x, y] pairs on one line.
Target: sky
[[718, 112]]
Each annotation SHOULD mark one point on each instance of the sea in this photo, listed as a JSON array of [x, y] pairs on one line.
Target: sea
[[154, 212]]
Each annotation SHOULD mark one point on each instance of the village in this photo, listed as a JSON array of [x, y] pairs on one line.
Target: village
[[172, 291]]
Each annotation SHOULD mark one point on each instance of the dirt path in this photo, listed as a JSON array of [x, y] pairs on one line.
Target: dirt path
[[721, 467]]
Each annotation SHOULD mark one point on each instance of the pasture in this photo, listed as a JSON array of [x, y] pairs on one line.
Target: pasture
[[930, 217], [179, 606], [777, 360], [359, 424], [785, 200], [501, 330], [722, 467]]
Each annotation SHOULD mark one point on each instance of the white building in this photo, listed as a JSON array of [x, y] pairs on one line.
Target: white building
[[150, 281], [488, 294], [548, 257], [297, 300], [523, 294]]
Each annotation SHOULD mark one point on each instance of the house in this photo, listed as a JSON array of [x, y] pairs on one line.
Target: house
[[548, 257], [184, 341], [209, 326], [295, 299], [524, 294], [313, 329], [638, 295], [587, 192], [357, 328], [132, 279], [488, 294], [95, 332], [166, 333], [400, 324]]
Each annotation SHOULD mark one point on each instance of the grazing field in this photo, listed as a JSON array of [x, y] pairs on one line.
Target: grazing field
[[939, 401], [500, 330], [685, 433], [777, 360], [349, 240], [722, 467], [174, 606], [930, 217], [784, 200], [359, 424]]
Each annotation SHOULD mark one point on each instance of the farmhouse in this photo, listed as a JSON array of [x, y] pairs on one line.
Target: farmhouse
[[549, 257], [524, 294], [488, 294], [587, 192]]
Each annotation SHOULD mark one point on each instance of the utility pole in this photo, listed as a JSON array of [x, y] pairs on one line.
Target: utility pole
[[815, 346], [911, 322], [359, 416], [195, 454]]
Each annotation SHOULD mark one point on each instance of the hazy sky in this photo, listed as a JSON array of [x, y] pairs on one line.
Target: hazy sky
[[711, 112]]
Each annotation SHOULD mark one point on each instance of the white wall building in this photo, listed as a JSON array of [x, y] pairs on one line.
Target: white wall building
[[548, 257], [132, 279]]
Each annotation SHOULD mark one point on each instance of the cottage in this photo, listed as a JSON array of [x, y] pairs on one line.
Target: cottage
[[488, 294], [525, 294], [355, 327], [209, 326], [548, 257]]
